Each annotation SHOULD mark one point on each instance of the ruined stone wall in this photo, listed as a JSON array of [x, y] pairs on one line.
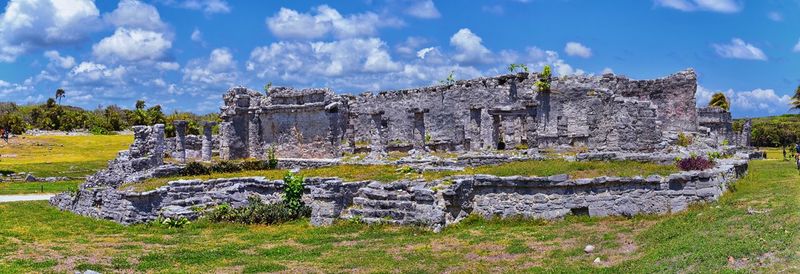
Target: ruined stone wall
[[434, 204], [601, 113], [718, 122]]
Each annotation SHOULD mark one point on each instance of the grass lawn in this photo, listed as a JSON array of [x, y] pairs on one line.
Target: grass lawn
[[716, 237], [67, 156], [30, 188], [389, 173]]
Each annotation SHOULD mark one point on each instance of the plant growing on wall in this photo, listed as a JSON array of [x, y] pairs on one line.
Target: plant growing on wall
[[719, 100], [293, 192], [267, 87], [512, 68], [543, 84], [684, 140], [272, 160], [450, 79]]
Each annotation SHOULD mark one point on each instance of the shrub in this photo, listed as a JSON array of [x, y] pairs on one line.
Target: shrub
[[225, 167], [543, 85], [256, 212], [694, 163], [725, 142], [195, 168], [293, 192], [272, 160], [254, 165], [684, 140], [172, 223]]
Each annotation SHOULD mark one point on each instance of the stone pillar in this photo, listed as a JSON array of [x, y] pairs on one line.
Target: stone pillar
[[208, 141], [474, 129], [746, 130], [180, 140], [160, 144], [254, 148]]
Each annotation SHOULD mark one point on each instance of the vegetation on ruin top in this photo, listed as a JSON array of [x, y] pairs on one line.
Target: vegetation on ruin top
[[390, 173], [754, 228]]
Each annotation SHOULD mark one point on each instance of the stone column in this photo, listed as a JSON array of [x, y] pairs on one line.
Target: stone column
[[254, 148], [208, 141], [180, 140], [160, 144]]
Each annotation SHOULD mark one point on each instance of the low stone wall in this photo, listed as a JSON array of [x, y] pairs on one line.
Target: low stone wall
[[433, 204]]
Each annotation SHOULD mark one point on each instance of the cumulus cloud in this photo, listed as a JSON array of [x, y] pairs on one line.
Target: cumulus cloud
[[32, 24], [411, 45], [219, 69], [425, 9], [607, 70], [300, 61], [577, 49], [89, 72], [722, 6], [64, 62], [739, 49], [12, 89], [470, 47], [324, 20], [135, 14], [761, 100], [132, 45]]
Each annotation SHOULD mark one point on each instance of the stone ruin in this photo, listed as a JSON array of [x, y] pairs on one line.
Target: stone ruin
[[610, 117], [604, 113]]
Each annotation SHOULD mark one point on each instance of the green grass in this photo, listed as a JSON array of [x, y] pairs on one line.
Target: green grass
[[389, 173], [63, 156], [35, 237], [29, 188]]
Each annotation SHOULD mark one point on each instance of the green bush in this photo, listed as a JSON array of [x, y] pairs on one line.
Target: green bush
[[254, 165], [684, 140], [171, 222], [272, 160], [543, 85], [225, 167], [293, 192], [256, 212], [195, 168]]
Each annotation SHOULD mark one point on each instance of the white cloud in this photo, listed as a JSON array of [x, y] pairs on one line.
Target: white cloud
[[132, 45], [288, 23], [89, 72], [723, 6], [301, 61], [421, 53], [739, 49], [33, 24], [167, 66], [470, 47], [607, 70], [197, 36], [775, 16], [61, 61], [797, 47], [8, 89], [218, 70], [762, 100], [577, 49], [135, 14], [423, 9]]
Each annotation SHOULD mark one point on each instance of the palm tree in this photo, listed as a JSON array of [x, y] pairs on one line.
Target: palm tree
[[719, 100], [140, 104], [60, 94], [796, 99]]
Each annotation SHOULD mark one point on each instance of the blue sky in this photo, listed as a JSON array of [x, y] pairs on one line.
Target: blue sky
[[183, 54]]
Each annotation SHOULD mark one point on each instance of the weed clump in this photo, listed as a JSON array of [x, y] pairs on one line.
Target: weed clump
[[258, 212], [195, 168], [694, 163]]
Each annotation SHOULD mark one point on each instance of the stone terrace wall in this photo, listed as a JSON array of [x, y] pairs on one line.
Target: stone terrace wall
[[433, 204], [603, 113], [718, 121]]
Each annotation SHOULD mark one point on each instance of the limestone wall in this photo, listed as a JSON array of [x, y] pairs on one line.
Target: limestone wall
[[434, 204], [602, 113]]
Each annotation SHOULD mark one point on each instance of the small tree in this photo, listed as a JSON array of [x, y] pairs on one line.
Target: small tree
[[267, 87], [60, 93], [450, 79], [140, 104], [796, 99], [293, 192], [719, 100]]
